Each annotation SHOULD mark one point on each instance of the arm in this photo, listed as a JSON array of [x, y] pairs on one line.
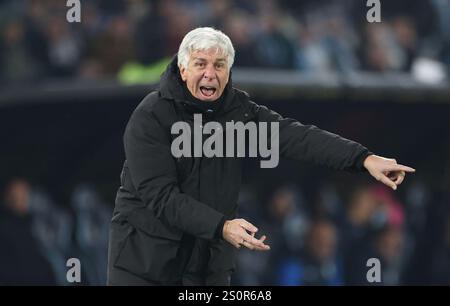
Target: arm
[[309, 143]]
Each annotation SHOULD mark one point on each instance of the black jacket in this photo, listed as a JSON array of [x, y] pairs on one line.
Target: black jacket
[[166, 205]]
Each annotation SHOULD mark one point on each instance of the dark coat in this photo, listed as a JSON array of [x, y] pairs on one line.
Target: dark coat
[[168, 210]]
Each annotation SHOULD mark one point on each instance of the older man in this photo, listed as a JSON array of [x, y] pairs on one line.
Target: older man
[[175, 217]]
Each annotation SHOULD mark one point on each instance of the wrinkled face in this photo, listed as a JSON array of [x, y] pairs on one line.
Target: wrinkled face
[[206, 75]]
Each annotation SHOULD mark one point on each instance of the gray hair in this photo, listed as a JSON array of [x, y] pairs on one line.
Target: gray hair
[[204, 39]]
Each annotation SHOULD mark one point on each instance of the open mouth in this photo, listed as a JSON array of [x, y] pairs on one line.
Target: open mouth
[[207, 91]]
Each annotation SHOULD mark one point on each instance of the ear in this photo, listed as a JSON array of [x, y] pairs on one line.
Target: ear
[[183, 73]]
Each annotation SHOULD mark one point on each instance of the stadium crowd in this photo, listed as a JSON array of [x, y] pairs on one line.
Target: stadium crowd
[[324, 240], [118, 38]]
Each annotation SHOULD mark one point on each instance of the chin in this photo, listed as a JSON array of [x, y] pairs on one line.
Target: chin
[[209, 99]]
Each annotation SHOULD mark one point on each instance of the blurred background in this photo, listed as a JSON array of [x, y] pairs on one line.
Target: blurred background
[[67, 91]]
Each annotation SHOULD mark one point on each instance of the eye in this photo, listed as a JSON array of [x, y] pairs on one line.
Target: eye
[[200, 64], [220, 65]]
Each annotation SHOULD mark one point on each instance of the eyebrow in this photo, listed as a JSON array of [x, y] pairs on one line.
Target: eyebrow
[[204, 60]]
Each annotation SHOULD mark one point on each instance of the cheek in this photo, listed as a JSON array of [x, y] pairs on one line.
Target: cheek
[[195, 80], [192, 83], [224, 80]]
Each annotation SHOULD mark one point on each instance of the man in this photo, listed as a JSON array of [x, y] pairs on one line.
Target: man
[[175, 219]]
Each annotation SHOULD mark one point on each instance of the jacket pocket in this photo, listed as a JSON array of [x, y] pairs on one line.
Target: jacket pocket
[[151, 248]]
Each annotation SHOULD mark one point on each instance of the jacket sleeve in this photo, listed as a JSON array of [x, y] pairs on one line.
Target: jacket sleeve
[[309, 143], [153, 173]]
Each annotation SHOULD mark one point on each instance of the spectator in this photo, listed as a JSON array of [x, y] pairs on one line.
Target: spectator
[[21, 262], [318, 264], [440, 263]]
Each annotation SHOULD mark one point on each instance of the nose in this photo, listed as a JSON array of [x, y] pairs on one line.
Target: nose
[[209, 73]]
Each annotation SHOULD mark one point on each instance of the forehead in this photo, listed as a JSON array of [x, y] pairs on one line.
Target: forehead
[[212, 54]]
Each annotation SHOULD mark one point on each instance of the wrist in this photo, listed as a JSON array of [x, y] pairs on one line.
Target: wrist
[[367, 160], [225, 226], [219, 230]]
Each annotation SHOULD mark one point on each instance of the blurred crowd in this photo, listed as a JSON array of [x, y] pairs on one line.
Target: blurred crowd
[[334, 239], [328, 241], [38, 236], [126, 39]]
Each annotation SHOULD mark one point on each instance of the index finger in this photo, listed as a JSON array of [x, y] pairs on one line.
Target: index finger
[[256, 242], [401, 168]]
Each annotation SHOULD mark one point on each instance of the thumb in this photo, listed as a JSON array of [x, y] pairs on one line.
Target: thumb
[[385, 180]]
